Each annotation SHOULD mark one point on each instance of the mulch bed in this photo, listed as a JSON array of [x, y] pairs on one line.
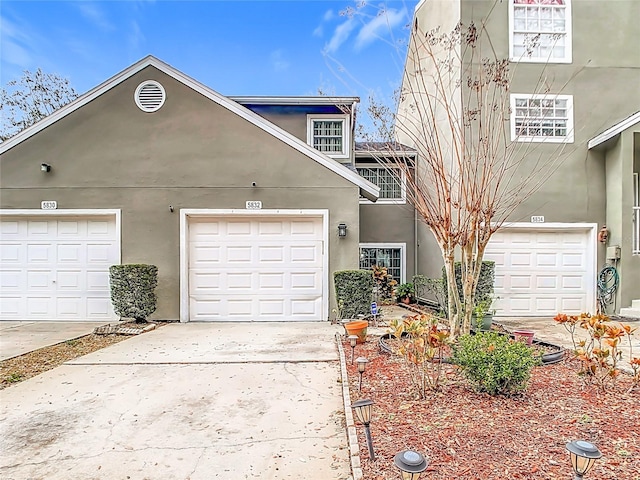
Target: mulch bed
[[468, 435]]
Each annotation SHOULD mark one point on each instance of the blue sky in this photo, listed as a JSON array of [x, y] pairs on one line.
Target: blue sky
[[235, 47]]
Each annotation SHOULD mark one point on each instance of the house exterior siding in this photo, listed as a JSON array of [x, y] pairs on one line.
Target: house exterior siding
[[588, 186], [191, 154]]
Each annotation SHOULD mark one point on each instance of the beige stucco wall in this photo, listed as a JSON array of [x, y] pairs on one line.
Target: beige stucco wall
[[192, 153], [619, 159], [603, 79]]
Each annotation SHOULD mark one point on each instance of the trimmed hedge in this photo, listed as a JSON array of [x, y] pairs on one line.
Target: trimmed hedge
[[354, 292], [132, 290], [484, 289]]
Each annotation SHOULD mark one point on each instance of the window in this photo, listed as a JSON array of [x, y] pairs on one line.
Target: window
[[390, 255], [540, 31], [329, 134], [391, 182], [542, 118]]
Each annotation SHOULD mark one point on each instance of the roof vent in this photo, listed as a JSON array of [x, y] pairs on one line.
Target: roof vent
[[150, 96]]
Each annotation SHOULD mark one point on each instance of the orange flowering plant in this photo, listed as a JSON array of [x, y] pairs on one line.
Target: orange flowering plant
[[422, 346], [601, 352]]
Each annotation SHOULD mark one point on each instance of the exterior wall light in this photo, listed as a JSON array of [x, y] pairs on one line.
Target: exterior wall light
[[362, 365], [583, 456], [411, 464], [362, 409], [45, 167], [342, 230], [353, 339]]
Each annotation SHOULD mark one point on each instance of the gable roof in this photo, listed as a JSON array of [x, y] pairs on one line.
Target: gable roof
[[367, 189], [611, 132]]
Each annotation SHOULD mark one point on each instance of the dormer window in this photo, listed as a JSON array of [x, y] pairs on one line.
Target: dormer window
[[329, 134]]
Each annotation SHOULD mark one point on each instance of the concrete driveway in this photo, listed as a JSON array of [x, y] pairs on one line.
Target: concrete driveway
[[18, 338], [186, 401]]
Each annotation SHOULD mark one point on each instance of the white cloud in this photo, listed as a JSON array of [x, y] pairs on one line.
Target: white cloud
[[16, 43], [328, 15], [318, 31], [95, 15], [340, 35], [379, 26], [278, 62]]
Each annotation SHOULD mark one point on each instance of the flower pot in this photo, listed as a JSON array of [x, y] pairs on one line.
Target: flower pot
[[358, 328], [485, 323], [524, 336]]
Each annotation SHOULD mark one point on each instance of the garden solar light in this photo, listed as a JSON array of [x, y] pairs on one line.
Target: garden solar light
[[362, 408], [583, 457], [353, 339], [411, 464], [362, 364]]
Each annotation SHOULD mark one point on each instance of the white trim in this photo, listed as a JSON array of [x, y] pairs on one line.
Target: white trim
[[611, 132], [568, 52], [403, 255], [206, 212], [78, 212], [319, 100], [346, 131], [387, 201], [136, 96], [592, 247], [367, 189], [541, 139]]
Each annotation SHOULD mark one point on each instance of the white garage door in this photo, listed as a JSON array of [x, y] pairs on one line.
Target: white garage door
[[249, 268], [56, 268], [543, 272]]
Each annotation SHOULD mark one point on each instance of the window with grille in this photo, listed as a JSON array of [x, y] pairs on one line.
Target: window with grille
[[329, 134], [542, 118], [540, 31], [390, 256], [389, 180]]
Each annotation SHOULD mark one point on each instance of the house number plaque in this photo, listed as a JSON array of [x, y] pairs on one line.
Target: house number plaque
[[253, 205], [48, 205], [537, 219]]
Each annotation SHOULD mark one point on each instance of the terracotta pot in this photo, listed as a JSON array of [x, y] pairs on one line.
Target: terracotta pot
[[524, 335], [358, 328]]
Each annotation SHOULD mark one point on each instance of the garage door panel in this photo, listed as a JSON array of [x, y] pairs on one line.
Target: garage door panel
[[10, 280], [40, 253], [573, 282], [58, 268], [10, 253], [10, 306], [40, 307], [39, 279], [267, 269], [204, 253], [556, 264], [271, 253], [43, 229], [546, 282]]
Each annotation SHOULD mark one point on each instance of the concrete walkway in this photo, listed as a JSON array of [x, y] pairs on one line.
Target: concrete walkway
[[187, 401], [18, 338]]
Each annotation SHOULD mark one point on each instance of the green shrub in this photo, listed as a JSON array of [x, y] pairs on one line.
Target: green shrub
[[354, 289], [132, 290], [484, 289], [431, 288], [494, 363]]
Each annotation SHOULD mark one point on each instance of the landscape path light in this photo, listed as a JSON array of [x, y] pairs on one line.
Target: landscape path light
[[583, 456], [411, 464], [362, 365], [353, 339], [362, 409]]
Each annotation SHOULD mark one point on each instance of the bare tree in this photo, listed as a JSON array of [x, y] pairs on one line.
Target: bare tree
[[454, 109], [31, 98]]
